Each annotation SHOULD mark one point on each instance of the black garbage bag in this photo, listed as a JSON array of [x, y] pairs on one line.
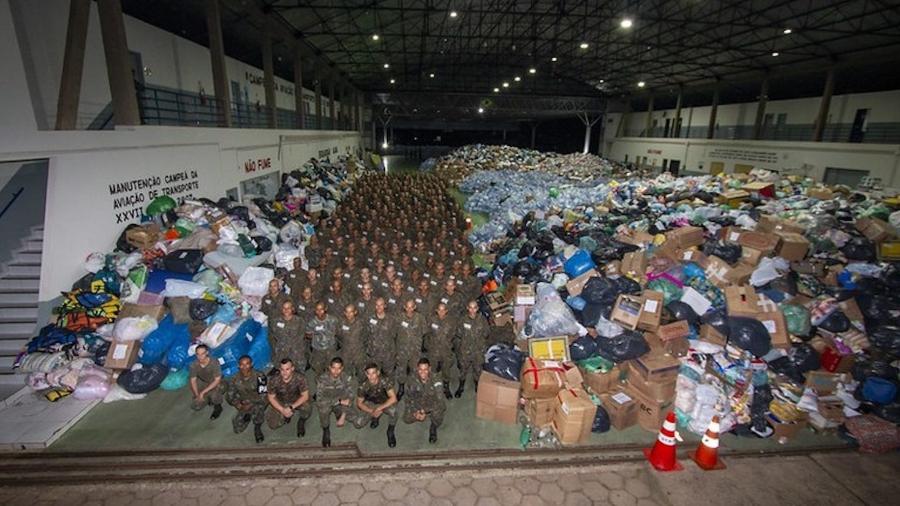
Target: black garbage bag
[[143, 380], [786, 284], [683, 311], [582, 348], [863, 369], [804, 358], [626, 346], [599, 290], [100, 353], [890, 276], [523, 269], [601, 421], [504, 361], [728, 251], [784, 366], [859, 248], [122, 243], [201, 309], [717, 319], [241, 213], [626, 285], [263, 244], [836, 322], [592, 312], [749, 334], [528, 249], [890, 412], [886, 338]]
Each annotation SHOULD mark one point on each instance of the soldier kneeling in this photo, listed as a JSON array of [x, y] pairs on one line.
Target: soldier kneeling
[[375, 397], [425, 399]]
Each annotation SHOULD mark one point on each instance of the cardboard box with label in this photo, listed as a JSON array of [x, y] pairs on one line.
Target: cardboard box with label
[[751, 256], [627, 311], [549, 348], [693, 255], [575, 285], [525, 295], [674, 330], [651, 310], [660, 390], [718, 271], [540, 411], [709, 334], [621, 407], [685, 237], [602, 382], [775, 324], [650, 412], [731, 234], [656, 365], [497, 399], [793, 247], [542, 378], [122, 355], [574, 416]]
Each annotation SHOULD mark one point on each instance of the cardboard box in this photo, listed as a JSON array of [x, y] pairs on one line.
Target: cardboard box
[[678, 347], [733, 198], [654, 366], [614, 268], [497, 399], [621, 407], [635, 238], [600, 382], [875, 230], [143, 237], [673, 330], [650, 412], [824, 383], [692, 255], [777, 327], [731, 234], [549, 348], [760, 189], [764, 242], [525, 295], [651, 310], [820, 193], [833, 361], [576, 285], [496, 301], [751, 256], [773, 224], [627, 311], [742, 300], [740, 273], [501, 318], [574, 416], [634, 264], [662, 390], [130, 310], [521, 313], [793, 247], [717, 271], [685, 237], [122, 355], [786, 430], [542, 379], [889, 251], [709, 334], [540, 411]]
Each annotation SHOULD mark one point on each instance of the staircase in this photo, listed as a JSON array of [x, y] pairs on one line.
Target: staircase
[[19, 283]]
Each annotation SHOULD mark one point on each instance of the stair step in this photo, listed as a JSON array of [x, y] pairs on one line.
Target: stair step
[[28, 256], [18, 313], [12, 347], [20, 271], [6, 364], [17, 329], [18, 285], [18, 300]]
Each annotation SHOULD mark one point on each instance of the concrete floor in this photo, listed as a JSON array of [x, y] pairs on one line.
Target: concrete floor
[[841, 479]]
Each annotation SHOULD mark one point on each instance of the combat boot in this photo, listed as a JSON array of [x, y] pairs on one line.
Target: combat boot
[[392, 441], [374, 423], [432, 434], [257, 432], [326, 437], [401, 391], [447, 392], [461, 389], [475, 382], [217, 411], [301, 427]]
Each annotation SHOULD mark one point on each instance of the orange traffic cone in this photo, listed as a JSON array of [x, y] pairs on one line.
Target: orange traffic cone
[[662, 455], [707, 454]]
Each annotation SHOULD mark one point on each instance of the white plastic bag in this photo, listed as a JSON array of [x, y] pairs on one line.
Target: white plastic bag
[[255, 281], [94, 262], [182, 288], [133, 329], [284, 257], [551, 316], [769, 269], [117, 393]]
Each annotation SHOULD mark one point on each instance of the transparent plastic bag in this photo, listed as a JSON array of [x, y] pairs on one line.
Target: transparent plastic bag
[[551, 316]]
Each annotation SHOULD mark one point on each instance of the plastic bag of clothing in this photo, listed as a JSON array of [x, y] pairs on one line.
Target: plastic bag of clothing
[[728, 251], [92, 387], [175, 380], [670, 290], [551, 316], [182, 288], [201, 309], [797, 319], [836, 322], [626, 346], [749, 334], [180, 354], [768, 270], [626, 285], [592, 314], [158, 342], [683, 311], [863, 369], [134, 329], [209, 278], [504, 361], [582, 348], [235, 346], [601, 421], [260, 351], [879, 390], [255, 281], [143, 379]]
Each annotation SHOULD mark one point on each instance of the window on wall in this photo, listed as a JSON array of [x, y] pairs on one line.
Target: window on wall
[[849, 177]]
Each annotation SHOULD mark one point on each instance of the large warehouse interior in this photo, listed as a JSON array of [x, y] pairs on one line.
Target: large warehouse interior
[[449, 252]]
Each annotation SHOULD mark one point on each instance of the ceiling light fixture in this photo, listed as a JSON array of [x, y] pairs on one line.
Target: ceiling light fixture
[[533, 70], [387, 65], [775, 53], [584, 45], [496, 90], [626, 23], [431, 75], [481, 110], [641, 84], [517, 79], [453, 14], [384, 145], [554, 58], [375, 36], [787, 31], [602, 81], [505, 84], [393, 81]]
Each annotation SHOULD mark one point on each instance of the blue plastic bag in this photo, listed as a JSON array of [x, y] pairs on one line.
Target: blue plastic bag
[[260, 351], [236, 346], [178, 356], [158, 342], [579, 263], [175, 380]]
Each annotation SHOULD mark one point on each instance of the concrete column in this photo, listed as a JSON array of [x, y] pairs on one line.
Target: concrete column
[[73, 65], [269, 79], [331, 110], [620, 128], [711, 130], [299, 111], [824, 104], [217, 56], [649, 123], [533, 134], [676, 128], [318, 100], [118, 63], [761, 108], [587, 138]]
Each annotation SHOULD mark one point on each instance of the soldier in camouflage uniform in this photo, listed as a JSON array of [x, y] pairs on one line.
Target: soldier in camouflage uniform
[[322, 332], [395, 297], [411, 329], [334, 392], [336, 297], [471, 340], [381, 345], [439, 345], [288, 396], [374, 397], [350, 339], [246, 392], [425, 400], [286, 336], [295, 278], [272, 301], [426, 298], [452, 298]]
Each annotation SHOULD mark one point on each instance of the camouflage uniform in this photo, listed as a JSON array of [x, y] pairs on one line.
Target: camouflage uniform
[[329, 393], [353, 350], [271, 306], [471, 339], [205, 376], [427, 396], [335, 303], [287, 340], [247, 390], [439, 343], [324, 341], [455, 303], [410, 338], [425, 304], [373, 396], [394, 302], [286, 393], [295, 280], [381, 345]]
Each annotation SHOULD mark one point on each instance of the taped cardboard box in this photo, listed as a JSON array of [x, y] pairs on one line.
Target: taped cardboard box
[[786, 430], [122, 355], [574, 377], [576, 285], [635, 238], [621, 407], [497, 302], [740, 273], [692, 255], [130, 310], [875, 230], [656, 365], [775, 324], [574, 416], [143, 237], [661, 390], [540, 411], [764, 242], [823, 382], [651, 310], [650, 412], [717, 271], [674, 330], [525, 295], [614, 268], [634, 264], [627, 311], [709, 334], [760, 189], [742, 300], [685, 237], [497, 399], [751, 256], [602, 382], [542, 379], [731, 234], [793, 247]]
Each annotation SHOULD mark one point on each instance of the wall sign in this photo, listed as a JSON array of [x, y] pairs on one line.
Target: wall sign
[[747, 155], [254, 165], [130, 197]]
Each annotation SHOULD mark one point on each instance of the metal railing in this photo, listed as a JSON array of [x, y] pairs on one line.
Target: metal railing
[[875, 133], [12, 201]]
